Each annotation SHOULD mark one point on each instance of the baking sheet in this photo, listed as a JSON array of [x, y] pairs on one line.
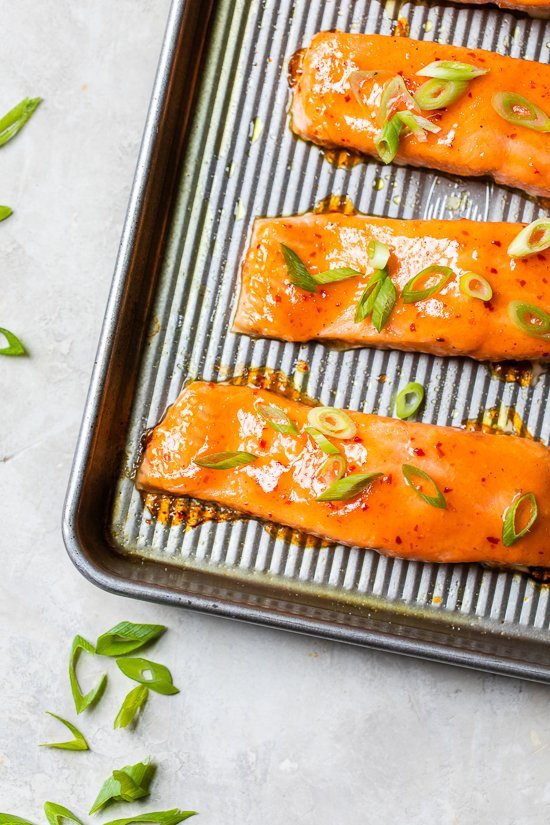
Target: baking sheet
[[241, 161]]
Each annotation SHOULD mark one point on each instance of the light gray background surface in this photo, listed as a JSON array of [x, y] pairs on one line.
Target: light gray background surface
[[269, 728]]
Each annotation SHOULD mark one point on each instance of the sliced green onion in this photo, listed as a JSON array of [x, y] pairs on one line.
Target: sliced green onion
[[532, 239], [299, 275], [414, 478], [332, 276], [387, 140], [416, 125], [378, 253], [332, 470], [475, 286], [276, 418], [79, 742], [529, 318], [367, 299], [12, 123], [356, 80], [411, 295], [225, 461], [131, 706], [438, 94], [349, 487], [11, 819], [172, 817], [409, 399], [395, 93], [510, 534], [384, 304], [326, 446], [15, 347], [155, 676], [127, 637], [451, 70], [520, 111], [5, 212], [81, 700], [332, 422], [55, 814], [126, 785]]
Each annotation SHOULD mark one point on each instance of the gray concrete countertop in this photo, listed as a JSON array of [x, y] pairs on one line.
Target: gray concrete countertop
[[269, 727]]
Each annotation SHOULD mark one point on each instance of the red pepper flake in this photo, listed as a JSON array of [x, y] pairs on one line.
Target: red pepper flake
[[398, 540], [412, 327], [439, 450], [521, 282], [418, 451], [388, 479], [496, 243], [278, 299], [493, 270], [440, 340], [263, 443], [347, 98], [364, 505], [541, 257], [447, 489], [357, 439], [493, 540]]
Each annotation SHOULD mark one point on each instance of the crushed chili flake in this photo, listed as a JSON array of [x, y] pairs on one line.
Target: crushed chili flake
[[418, 451], [398, 540], [493, 540]]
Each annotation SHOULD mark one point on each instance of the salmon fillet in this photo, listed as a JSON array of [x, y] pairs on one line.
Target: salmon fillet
[[474, 139], [449, 323], [535, 8], [479, 474]]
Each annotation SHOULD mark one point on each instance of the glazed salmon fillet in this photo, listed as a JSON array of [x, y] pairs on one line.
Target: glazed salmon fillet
[[479, 476], [474, 139], [448, 323], [536, 8]]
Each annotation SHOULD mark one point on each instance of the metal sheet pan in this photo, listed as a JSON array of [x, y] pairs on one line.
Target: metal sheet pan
[[204, 173]]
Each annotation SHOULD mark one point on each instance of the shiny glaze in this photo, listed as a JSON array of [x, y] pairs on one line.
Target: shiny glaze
[[536, 8], [473, 140], [479, 474], [449, 323]]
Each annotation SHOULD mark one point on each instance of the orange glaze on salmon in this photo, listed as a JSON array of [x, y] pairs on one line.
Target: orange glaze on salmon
[[448, 323], [480, 475], [474, 139], [536, 8]]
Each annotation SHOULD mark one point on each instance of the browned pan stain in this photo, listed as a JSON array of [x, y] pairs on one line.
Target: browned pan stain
[[502, 420]]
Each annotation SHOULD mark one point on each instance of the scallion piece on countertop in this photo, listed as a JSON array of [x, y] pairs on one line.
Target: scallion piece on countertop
[[299, 275], [349, 487], [276, 418], [172, 817], [155, 676], [438, 94], [79, 742], [451, 70], [387, 140], [379, 254], [82, 701], [411, 294], [510, 532], [56, 814], [127, 637], [322, 441], [5, 212], [532, 239], [11, 819], [131, 706], [366, 301], [332, 422], [12, 123], [475, 286], [520, 111], [15, 347], [384, 304], [125, 785], [529, 318], [415, 478], [225, 461], [409, 399]]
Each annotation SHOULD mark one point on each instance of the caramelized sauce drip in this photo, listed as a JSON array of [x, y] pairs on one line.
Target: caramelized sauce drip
[[402, 27], [524, 373], [499, 420], [342, 158], [336, 203], [295, 69]]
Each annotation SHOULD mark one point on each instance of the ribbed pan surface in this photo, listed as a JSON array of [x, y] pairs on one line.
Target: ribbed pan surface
[[227, 180]]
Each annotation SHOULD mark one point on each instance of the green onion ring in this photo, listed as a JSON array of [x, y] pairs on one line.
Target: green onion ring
[[395, 92], [417, 126], [379, 253], [322, 441], [409, 399], [387, 140], [451, 70], [332, 422], [509, 533], [520, 111], [475, 286], [532, 239], [332, 470], [410, 473], [438, 94], [412, 295], [276, 418], [529, 318]]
